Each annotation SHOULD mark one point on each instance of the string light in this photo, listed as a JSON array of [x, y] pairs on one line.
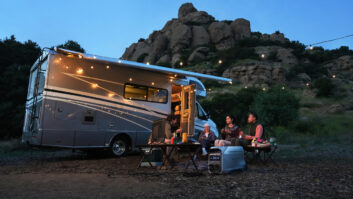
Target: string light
[[94, 57], [333, 76], [79, 71], [66, 67], [111, 95], [209, 89], [94, 85], [262, 56], [175, 75], [152, 83], [171, 80], [264, 89], [130, 79], [329, 40], [245, 87], [148, 63], [307, 84], [311, 47], [107, 66], [283, 88], [220, 62], [119, 61], [92, 67], [230, 82], [181, 63], [80, 56]]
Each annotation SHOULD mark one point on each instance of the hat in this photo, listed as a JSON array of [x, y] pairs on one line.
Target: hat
[[206, 124]]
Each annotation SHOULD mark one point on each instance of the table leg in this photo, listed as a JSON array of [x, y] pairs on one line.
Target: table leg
[[191, 157]]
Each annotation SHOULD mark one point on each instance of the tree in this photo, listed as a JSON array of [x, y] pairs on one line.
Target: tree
[[72, 45]]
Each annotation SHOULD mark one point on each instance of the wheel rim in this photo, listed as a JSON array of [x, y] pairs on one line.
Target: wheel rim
[[119, 147]]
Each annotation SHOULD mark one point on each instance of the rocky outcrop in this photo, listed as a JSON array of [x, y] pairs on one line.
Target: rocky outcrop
[[241, 28], [256, 73], [200, 36], [221, 35], [341, 67], [199, 54]]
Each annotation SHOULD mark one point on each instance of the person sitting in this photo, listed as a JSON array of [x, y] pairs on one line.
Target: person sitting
[[206, 138], [256, 130], [229, 133], [171, 126]]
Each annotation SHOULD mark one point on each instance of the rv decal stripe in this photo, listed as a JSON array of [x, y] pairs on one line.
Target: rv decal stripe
[[110, 101]]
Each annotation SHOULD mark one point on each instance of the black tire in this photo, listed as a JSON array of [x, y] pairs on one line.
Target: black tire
[[119, 147]]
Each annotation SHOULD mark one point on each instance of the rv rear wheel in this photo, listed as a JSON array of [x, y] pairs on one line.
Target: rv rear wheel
[[119, 147]]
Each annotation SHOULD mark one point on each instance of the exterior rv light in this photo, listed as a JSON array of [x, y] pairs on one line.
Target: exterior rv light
[[79, 71], [94, 85], [119, 61], [262, 55], [175, 75], [148, 63], [94, 57], [107, 66], [111, 95], [152, 83], [181, 63], [130, 79], [92, 67], [80, 56], [220, 61], [311, 47], [171, 80]]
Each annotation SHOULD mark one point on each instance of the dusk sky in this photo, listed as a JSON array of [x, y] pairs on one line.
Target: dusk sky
[[108, 27]]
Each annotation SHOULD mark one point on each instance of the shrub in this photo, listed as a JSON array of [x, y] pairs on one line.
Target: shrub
[[325, 87], [276, 107]]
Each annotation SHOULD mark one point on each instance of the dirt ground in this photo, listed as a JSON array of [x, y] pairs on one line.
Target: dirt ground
[[300, 172]]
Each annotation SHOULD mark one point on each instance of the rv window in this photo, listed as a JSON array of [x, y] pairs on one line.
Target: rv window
[[157, 95], [135, 92], [138, 92]]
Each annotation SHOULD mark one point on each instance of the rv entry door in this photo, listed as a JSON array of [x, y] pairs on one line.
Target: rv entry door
[[187, 118]]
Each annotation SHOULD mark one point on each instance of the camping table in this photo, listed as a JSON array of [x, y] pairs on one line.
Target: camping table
[[267, 151], [192, 149]]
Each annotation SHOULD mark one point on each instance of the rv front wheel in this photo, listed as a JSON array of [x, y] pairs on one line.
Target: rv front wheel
[[120, 147]]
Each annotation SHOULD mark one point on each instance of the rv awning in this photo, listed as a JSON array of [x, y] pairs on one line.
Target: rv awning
[[161, 69]]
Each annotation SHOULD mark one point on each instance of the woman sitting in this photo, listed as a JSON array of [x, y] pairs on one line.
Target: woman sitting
[[206, 138], [229, 133]]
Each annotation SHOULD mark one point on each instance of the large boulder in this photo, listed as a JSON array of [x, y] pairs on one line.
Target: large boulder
[[221, 35], [165, 59], [179, 35], [159, 44], [199, 54], [188, 14], [136, 51], [186, 9], [241, 28], [176, 60], [200, 36], [286, 56]]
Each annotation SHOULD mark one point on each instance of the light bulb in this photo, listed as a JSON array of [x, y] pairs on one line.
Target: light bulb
[[94, 85], [220, 61], [111, 95], [130, 79], [181, 63], [79, 71], [152, 83], [92, 67], [311, 47], [107, 66], [262, 55]]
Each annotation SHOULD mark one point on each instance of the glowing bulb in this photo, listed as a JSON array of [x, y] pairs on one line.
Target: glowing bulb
[[94, 85], [209, 89], [79, 71], [130, 79], [307, 84], [94, 57], [264, 89], [80, 56], [111, 95], [181, 63], [262, 55], [245, 87], [311, 47], [220, 61], [119, 61], [92, 67], [60, 58], [66, 67], [152, 83], [283, 88], [230, 82], [148, 63], [107, 66], [333, 76], [171, 80], [175, 75]]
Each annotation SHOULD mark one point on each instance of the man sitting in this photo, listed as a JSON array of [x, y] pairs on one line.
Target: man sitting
[[256, 130], [206, 138]]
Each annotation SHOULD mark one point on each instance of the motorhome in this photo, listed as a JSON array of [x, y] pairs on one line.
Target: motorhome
[[81, 101]]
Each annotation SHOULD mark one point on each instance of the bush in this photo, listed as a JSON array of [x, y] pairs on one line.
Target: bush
[[276, 107], [325, 87], [234, 104]]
